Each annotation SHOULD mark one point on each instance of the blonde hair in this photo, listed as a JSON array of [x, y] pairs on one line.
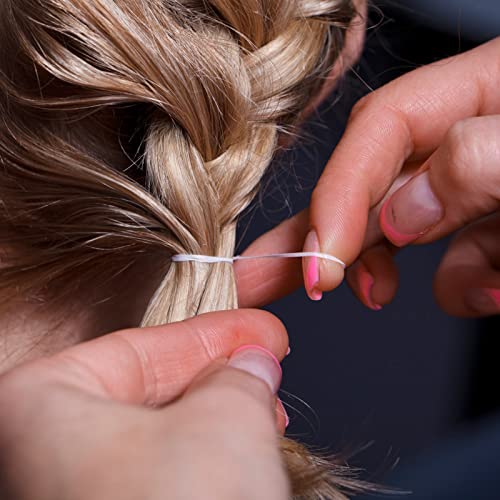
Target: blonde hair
[[132, 128]]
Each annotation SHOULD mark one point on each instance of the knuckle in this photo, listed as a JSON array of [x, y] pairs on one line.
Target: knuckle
[[461, 149], [366, 102], [468, 153]]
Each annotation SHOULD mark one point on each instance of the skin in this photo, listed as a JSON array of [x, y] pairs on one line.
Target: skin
[[206, 400], [418, 161], [433, 132], [29, 329], [211, 380]]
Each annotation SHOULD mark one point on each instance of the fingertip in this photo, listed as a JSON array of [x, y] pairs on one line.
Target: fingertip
[[467, 281], [331, 275], [468, 291], [386, 218], [319, 274], [272, 328], [381, 264], [411, 211], [484, 301], [340, 239], [260, 363], [374, 277], [361, 282], [282, 418], [366, 284]]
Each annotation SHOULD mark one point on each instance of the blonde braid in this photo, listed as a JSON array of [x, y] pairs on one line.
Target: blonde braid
[[265, 82], [213, 82]]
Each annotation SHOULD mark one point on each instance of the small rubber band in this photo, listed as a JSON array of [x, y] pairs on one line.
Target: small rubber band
[[209, 259]]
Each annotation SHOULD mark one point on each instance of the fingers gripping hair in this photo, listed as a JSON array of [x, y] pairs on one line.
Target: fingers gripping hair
[[130, 128]]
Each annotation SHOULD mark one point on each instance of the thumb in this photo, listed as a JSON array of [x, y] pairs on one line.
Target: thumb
[[230, 410], [250, 378], [151, 366], [457, 185]]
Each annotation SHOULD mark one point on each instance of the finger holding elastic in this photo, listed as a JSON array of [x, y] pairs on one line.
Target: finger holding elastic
[[154, 365], [405, 120], [374, 277], [467, 282], [458, 184], [262, 281]]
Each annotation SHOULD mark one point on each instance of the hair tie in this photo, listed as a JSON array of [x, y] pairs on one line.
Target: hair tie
[[209, 259]]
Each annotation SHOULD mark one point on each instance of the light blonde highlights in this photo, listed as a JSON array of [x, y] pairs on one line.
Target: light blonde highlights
[[132, 129]]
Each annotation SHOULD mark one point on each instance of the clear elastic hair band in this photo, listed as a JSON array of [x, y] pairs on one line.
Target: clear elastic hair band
[[209, 259]]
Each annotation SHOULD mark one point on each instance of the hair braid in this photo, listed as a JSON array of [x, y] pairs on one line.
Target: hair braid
[[206, 85]]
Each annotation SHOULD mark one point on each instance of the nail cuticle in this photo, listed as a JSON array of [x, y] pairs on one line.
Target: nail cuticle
[[411, 212], [255, 347]]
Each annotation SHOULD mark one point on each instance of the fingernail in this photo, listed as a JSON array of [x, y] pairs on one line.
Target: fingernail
[[411, 211], [483, 300], [281, 409], [288, 351], [366, 282], [311, 267], [260, 363]]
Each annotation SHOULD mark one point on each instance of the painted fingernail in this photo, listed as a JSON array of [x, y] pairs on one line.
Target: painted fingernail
[[288, 351], [281, 409], [483, 300], [260, 363], [311, 267], [365, 283], [411, 211]]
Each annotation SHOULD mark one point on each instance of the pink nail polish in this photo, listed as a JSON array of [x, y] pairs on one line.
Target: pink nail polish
[[394, 236], [411, 211], [483, 300], [311, 266], [315, 294], [366, 282], [281, 408], [495, 295]]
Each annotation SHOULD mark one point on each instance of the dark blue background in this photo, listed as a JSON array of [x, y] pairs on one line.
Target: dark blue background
[[385, 385]]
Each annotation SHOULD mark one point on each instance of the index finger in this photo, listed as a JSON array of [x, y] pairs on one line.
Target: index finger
[[405, 120]]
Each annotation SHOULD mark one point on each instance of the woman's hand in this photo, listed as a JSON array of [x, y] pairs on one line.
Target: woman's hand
[[420, 159], [77, 425]]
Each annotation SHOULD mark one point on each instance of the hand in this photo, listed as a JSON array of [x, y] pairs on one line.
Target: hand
[[76, 425], [419, 159]]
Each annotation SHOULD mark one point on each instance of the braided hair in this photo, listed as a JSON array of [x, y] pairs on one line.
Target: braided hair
[[133, 129]]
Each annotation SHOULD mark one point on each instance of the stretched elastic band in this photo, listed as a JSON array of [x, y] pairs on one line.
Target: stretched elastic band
[[209, 259]]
